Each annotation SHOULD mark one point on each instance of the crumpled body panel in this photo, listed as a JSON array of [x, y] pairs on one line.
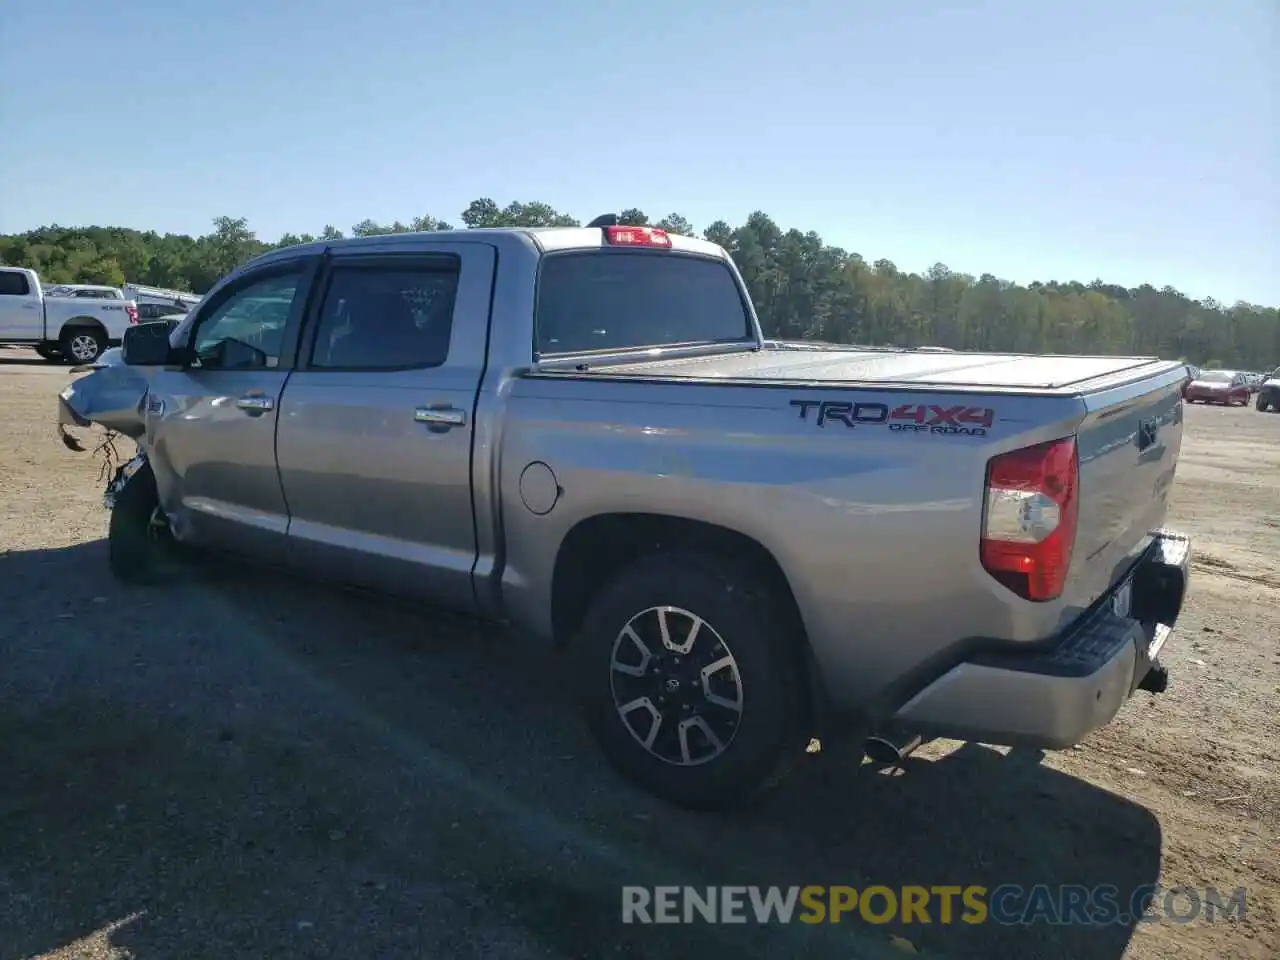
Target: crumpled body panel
[[112, 395]]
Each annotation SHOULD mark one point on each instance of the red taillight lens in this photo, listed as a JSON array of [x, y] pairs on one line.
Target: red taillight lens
[[133, 312], [637, 237], [1029, 525]]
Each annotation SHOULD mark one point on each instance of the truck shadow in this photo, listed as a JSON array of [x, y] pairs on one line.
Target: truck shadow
[[23, 358], [256, 766]]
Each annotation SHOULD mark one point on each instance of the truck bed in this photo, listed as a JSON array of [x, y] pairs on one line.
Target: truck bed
[[706, 436], [988, 371]]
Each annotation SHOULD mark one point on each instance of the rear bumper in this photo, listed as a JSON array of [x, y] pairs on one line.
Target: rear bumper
[[1055, 697], [1210, 397]]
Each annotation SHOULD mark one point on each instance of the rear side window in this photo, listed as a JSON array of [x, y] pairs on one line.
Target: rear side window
[[391, 317], [14, 285], [614, 300]]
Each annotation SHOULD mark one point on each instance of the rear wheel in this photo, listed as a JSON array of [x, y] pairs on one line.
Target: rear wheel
[[82, 344], [692, 679], [47, 352]]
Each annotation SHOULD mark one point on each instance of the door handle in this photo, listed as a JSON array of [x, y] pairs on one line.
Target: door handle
[[255, 404], [441, 417]]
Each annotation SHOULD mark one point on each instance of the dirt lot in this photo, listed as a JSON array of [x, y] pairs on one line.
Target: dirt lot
[[244, 765]]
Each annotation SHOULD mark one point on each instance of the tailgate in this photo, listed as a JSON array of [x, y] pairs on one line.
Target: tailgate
[[1128, 445]]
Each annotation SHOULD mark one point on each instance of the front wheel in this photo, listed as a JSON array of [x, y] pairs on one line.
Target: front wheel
[[1261, 404], [691, 678], [140, 548]]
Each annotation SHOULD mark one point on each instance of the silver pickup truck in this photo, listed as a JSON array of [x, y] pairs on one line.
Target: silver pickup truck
[[740, 546]]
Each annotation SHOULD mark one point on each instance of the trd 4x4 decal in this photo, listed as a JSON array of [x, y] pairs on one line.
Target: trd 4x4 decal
[[927, 418]]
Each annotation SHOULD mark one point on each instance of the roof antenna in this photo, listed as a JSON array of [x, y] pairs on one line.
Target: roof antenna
[[604, 220]]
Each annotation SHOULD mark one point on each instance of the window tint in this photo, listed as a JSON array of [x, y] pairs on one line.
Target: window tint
[[386, 317], [245, 330], [606, 301], [14, 284]]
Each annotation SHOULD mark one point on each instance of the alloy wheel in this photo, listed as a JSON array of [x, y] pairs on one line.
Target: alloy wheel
[[676, 686]]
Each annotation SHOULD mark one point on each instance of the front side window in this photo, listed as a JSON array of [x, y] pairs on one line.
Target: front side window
[[615, 300], [14, 284], [389, 317], [246, 329]]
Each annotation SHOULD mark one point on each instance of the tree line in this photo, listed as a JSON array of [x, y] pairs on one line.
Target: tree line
[[802, 287]]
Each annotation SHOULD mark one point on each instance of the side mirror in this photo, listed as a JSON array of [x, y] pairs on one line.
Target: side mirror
[[147, 345]]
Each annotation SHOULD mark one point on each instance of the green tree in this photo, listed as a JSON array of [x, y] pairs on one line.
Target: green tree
[[801, 287]]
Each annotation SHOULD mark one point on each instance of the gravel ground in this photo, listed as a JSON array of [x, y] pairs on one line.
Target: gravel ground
[[246, 765]]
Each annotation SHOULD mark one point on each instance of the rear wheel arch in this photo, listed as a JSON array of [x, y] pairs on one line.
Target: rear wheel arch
[[597, 549]]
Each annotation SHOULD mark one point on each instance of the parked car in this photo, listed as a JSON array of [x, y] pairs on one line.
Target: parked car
[[581, 432], [74, 327], [86, 291], [1218, 386], [1269, 392], [159, 311]]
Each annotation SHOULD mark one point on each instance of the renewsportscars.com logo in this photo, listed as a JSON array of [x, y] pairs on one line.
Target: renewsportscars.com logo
[[1008, 904]]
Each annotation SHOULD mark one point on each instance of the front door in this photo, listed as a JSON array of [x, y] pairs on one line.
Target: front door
[[375, 434], [211, 427], [21, 309]]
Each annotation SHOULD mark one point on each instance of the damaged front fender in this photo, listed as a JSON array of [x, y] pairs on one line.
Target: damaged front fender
[[113, 395]]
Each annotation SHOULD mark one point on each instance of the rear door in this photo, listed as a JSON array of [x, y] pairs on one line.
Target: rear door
[[211, 427], [375, 434]]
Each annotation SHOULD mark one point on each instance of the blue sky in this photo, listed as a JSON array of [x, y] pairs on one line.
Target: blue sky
[[1132, 140]]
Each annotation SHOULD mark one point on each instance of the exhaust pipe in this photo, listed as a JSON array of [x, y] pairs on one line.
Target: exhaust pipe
[[891, 745]]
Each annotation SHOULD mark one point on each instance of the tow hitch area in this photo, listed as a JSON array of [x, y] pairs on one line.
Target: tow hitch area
[[1156, 680]]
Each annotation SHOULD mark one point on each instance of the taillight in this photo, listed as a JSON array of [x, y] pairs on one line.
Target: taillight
[[637, 237], [132, 311], [1029, 526]]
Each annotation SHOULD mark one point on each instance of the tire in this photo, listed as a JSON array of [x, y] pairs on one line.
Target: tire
[[1261, 404], [47, 352], [138, 550], [760, 739], [82, 344]]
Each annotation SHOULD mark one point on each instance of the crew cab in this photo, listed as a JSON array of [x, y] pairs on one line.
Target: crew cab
[[73, 322], [738, 546]]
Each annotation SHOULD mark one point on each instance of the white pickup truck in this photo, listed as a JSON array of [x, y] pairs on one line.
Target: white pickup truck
[[71, 328]]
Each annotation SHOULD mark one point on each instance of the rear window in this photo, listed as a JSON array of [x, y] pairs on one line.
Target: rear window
[[615, 300]]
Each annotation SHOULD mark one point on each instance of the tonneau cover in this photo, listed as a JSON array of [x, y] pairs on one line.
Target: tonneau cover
[[921, 368]]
